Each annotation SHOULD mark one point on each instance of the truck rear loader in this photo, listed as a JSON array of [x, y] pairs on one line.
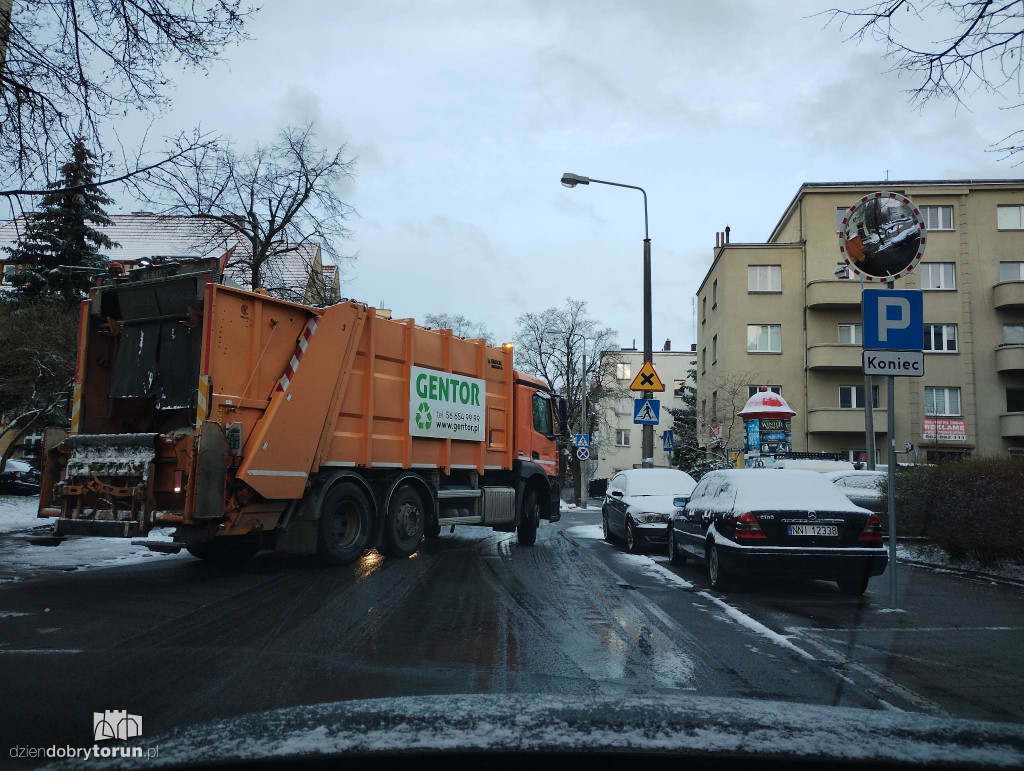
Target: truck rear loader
[[250, 422]]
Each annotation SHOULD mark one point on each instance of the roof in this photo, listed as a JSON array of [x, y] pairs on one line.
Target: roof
[[144, 234]]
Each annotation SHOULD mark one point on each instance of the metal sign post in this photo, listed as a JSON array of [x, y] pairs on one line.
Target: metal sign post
[[882, 238]]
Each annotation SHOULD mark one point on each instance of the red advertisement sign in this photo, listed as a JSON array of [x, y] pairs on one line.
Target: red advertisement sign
[[945, 429]]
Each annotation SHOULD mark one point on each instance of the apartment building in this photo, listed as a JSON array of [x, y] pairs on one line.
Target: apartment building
[[777, 314], [619, 440]]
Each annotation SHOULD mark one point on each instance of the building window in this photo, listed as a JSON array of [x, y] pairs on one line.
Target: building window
[[622, 437], [679, 388], [703, 360], [852, 397], [1009, 217], [704, 309], [937, 275], [940, 337], [937, 217], [703, 410], [764, 278], [623, 371], [941, 400], [840, 215], [1013, 334], [1011, 271], [714, 349], [753, 389], [714, 294], [764, 338], [714, 406], [8, 273], [850, 334], [1015, 399]]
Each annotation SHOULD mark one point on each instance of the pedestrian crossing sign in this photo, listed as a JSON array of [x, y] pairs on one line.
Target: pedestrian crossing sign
[[646, 412], [582, 440]]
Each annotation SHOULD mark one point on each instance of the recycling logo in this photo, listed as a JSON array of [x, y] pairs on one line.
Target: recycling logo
[[423, 418]]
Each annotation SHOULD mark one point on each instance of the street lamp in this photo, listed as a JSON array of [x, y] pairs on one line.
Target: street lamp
[[571, 180], [584, 422]]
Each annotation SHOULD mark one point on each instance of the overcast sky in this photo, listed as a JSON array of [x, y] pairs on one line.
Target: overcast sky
[[463, 116]]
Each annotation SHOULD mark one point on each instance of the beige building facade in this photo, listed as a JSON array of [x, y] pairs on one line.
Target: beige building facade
[[618, 444], [776, 314]]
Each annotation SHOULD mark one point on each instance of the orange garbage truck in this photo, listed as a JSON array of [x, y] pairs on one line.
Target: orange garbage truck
[[249, 422]]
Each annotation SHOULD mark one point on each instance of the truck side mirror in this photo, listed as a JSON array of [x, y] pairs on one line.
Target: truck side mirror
[[563, 415]]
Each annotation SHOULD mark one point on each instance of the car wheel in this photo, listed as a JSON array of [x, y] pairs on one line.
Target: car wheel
[[719, 578], [604, 528], [853, 585], [674, 556], [632, 541]]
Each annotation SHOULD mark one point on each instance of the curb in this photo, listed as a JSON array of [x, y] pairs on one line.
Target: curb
[[964, 572]]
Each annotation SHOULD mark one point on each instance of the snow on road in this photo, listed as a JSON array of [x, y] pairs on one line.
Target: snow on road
[[19, 558]]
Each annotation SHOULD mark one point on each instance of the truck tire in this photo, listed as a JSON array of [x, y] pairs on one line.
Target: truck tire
[[404, 523], [431, 531], [229, 551], [344, 527], [526, 531]]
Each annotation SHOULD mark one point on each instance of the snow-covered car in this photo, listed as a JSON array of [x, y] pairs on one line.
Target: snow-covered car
[[777, 521], [863, 488], [639, 501], [20, 478]]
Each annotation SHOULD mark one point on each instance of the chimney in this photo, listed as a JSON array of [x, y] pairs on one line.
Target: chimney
[[727, 229], [717, 239], [668, 345]]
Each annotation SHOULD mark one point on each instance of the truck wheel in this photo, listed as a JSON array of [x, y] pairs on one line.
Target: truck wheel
[[229, 551], [344, 526], [431, 531], [404, 523], [526, 532]]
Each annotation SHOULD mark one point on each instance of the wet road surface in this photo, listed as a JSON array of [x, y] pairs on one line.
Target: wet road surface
[[181, 642]]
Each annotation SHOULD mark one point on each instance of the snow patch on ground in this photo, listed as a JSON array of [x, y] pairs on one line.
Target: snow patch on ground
[[934, 555], [593, 532], [18, 512], [890, 610]]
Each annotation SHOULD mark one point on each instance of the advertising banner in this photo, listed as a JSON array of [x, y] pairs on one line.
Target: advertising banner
[[945, 429], [446, 406]]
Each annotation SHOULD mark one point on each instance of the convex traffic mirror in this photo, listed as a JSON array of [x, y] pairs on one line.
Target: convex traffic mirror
[[882, 237]]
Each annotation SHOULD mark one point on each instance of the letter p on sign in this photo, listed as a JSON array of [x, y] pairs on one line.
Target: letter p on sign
[[893, 319]]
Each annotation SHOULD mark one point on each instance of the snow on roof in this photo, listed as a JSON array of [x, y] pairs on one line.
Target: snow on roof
[[766, 403], [778, 489]]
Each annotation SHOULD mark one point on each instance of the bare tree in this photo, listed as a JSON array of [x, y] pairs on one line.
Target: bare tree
[[551, 345], [72, 66], [980, 48], [721, 399], [280, 201], [460, 325]]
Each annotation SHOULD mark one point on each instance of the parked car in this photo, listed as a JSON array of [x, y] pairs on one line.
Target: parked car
[[863, 488], [638, 503], [20, 478], [777, 521]]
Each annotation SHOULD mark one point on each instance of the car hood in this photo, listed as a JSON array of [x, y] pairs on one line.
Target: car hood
[[537, 723], [657, 504]]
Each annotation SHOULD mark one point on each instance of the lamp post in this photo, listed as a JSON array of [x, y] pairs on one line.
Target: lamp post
[[571, 180]]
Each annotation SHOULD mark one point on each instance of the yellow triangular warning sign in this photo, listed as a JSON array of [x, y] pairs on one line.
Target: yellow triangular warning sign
[[647, 379]]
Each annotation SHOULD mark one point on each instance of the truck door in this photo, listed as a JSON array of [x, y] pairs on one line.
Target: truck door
[[536, 440]]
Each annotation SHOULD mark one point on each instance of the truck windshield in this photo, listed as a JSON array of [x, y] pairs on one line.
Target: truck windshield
[[542, 422]]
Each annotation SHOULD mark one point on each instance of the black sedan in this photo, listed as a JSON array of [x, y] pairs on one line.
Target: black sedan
[[747, 522], [19, 478], [639, 502]]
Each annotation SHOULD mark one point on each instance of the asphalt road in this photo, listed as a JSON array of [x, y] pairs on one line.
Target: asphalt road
[[180, 642]]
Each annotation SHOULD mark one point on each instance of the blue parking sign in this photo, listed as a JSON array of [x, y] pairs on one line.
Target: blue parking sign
[[893, 319]]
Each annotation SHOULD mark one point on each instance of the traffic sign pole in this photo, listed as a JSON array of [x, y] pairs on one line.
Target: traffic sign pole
[[892, 491]]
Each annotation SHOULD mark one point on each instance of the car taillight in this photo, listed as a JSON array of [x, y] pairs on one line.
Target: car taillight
[[747, 527], [179, 478], [872, 530]]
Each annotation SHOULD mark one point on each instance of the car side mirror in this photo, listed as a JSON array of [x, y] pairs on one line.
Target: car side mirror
[[680, 501], [616, 493]]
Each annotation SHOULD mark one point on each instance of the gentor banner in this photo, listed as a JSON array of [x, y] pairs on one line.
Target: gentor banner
[[446, 406]]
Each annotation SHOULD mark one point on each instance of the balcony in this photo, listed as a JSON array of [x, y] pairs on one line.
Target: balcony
[[1008, 294], [1012, 424], [833, 294], [840, 421], [1010, 358], [834, 356]]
